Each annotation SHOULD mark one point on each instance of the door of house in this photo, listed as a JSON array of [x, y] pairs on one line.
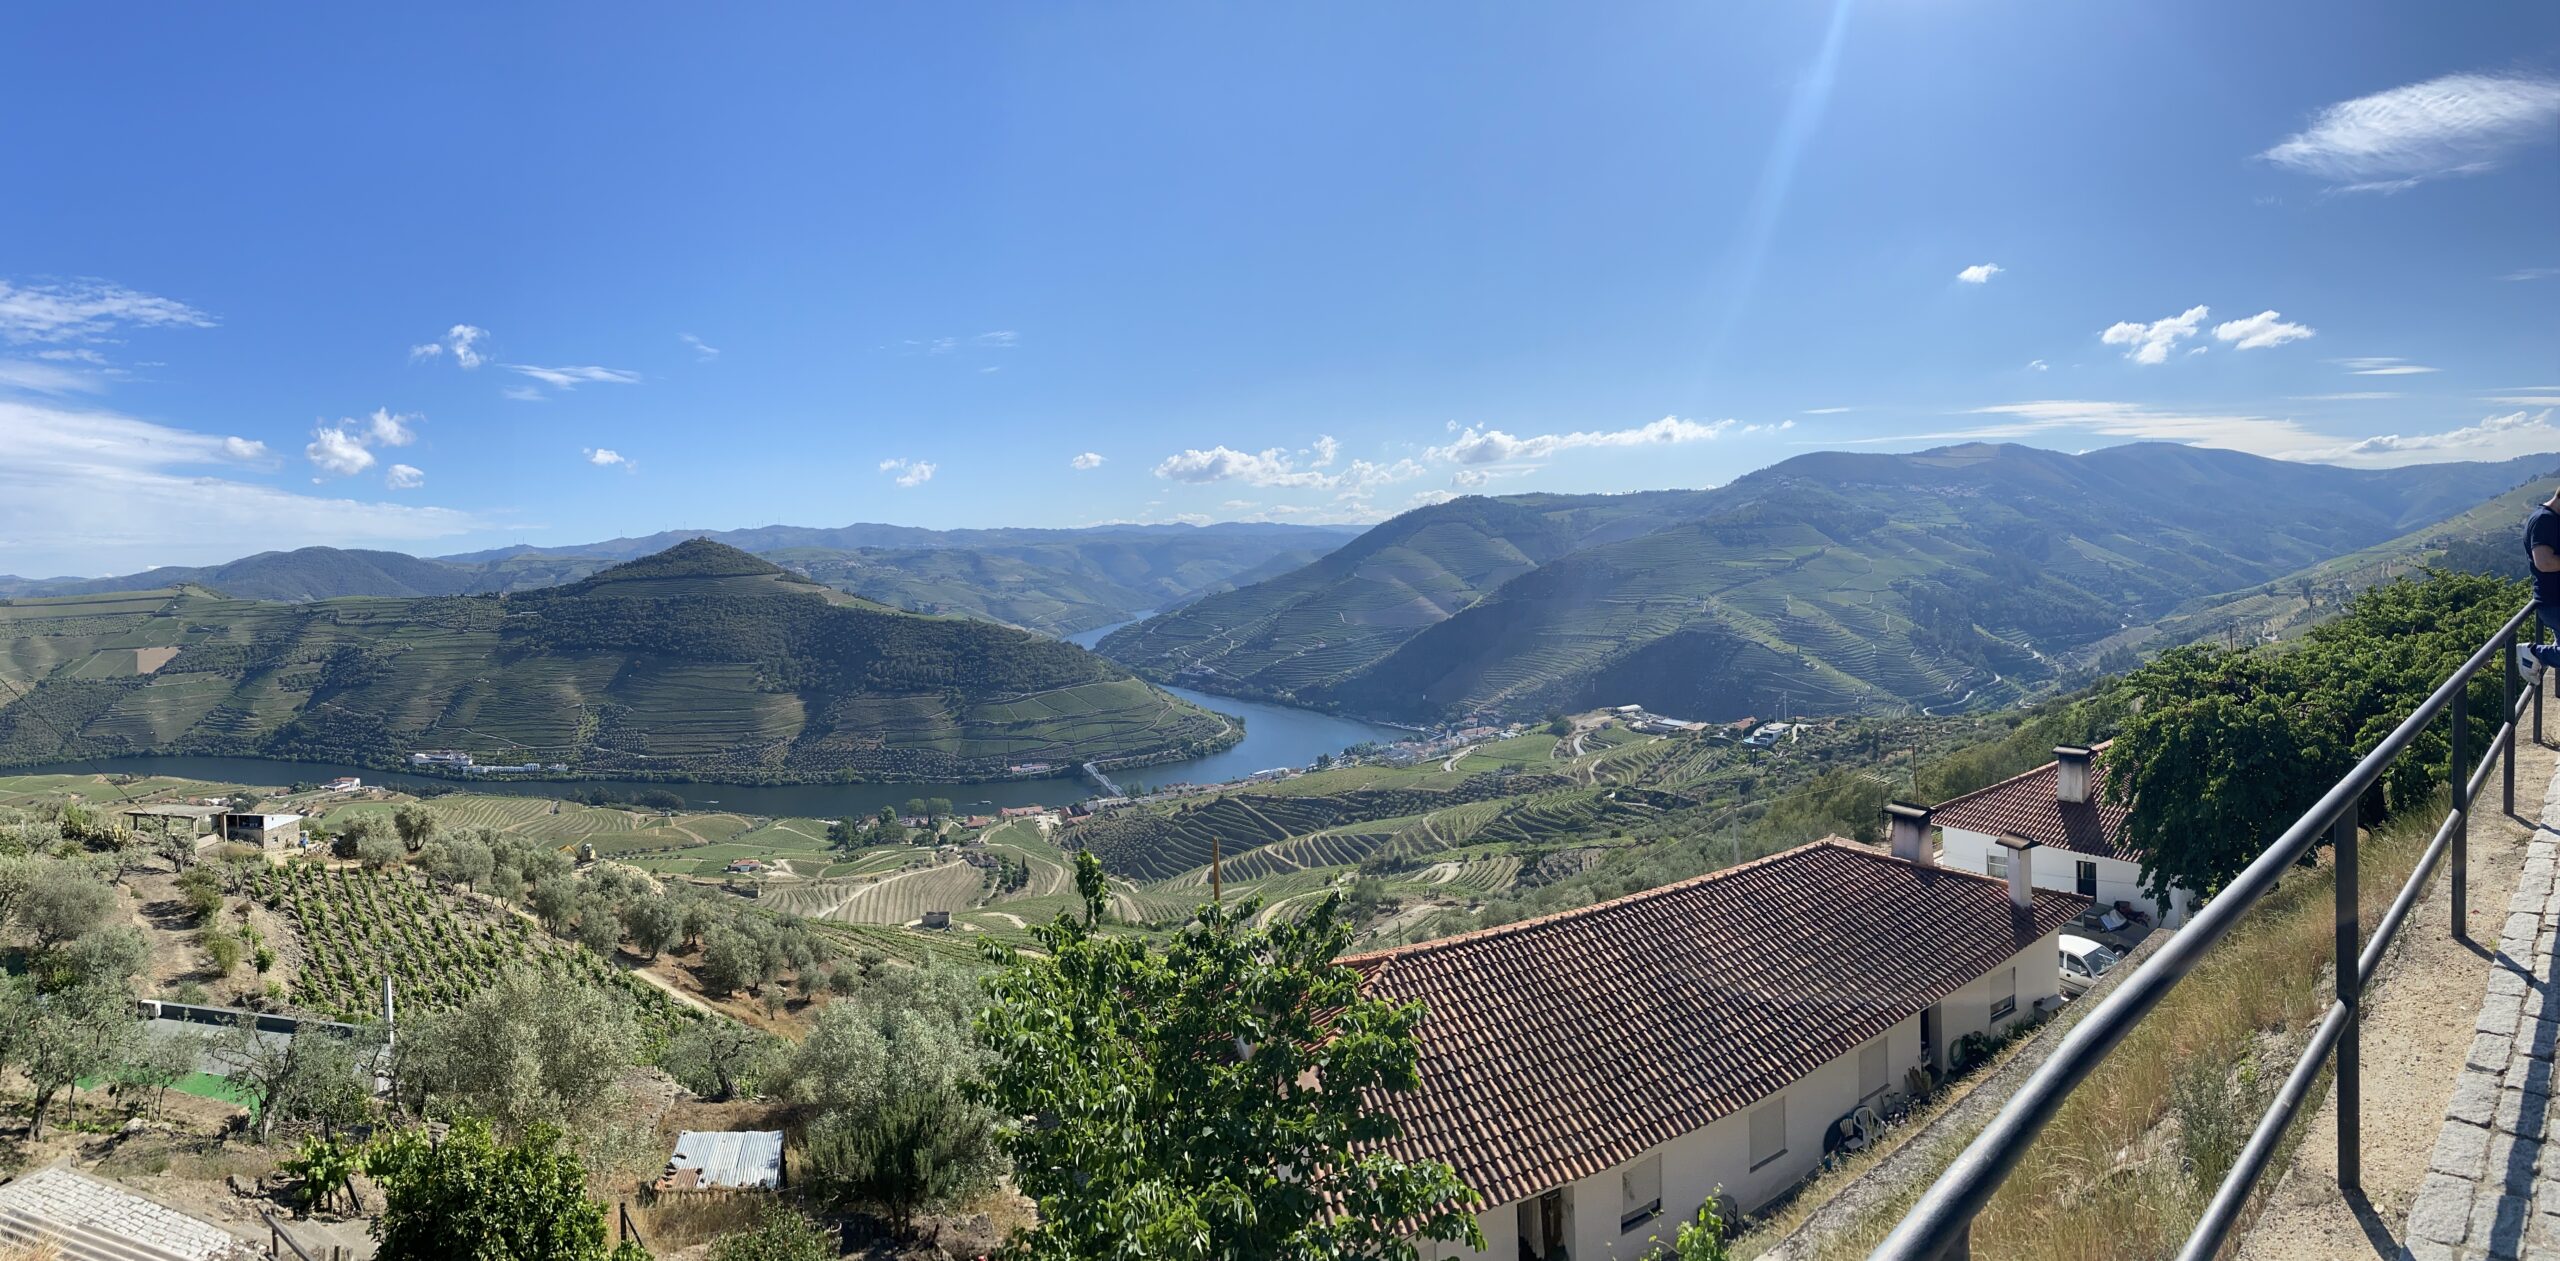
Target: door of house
[[1933, 1040], [2088, 878], [1551, 1224]]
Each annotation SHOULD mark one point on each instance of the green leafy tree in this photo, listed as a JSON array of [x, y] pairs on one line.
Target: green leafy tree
[[780, 1234], [651, 923], [1216, 1098], [416, 825], [57, 1038], [888, 1075], [326, 1166], [717, 1058], [531, 1048], [731, 961], [64, 901], [472, 1198], [1701, 1238]]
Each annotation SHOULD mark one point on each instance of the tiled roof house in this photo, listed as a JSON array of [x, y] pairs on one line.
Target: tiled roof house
[[1595, 1075], [2063, 806]]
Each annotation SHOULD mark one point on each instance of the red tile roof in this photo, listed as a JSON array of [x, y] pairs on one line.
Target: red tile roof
[[2029, 806], [1559, 1047]]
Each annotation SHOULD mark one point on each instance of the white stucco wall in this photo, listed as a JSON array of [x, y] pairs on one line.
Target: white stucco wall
[[1718, 1157], [2118, 879]]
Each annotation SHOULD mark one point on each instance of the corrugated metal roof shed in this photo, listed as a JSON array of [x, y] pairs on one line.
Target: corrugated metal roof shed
[[749, 1159]]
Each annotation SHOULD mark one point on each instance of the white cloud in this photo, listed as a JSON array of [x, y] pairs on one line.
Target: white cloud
[[2152, 342], [1326, 448], [1088, 460], [403, 477], [2532, 273], [1237, 505], [910, 472], [607, 457], [2259, 331], [2260, 435], [70, 480], [1274, 467], [2460, 124], [81, 354], [2381, 366], [2038, 365], [388, 428], [702, 350], [1493, 446], [86, 311], [1833, 411], [1000, 339], [338, 452], [463, 340], [1469, 477], [46, 378], [1979, 273], [2347, 396], [2493, 438], [2528, 396], [524, 393], [570, 378], [1768, 427]]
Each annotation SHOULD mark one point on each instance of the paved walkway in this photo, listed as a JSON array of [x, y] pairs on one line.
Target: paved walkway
[[2490, 1192]]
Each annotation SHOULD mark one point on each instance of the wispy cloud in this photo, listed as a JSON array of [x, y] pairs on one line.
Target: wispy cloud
[[2038, 365], [1279, 468], [2259, 331], [1088, 460], [2460, 124], [2532, 273], [910, 472], [2381, 366], [47, 378], [702, 350], [87, 310], [403, 477], [2347, 396], [2492, 438], [2151, 343], [69, 480], [524, 393], [1493, 446], [1979, 273], [1000, 339], [570, 378], [1834, 411]]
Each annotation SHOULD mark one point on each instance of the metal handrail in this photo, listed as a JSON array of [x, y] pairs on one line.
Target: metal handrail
[[1939, 1226]]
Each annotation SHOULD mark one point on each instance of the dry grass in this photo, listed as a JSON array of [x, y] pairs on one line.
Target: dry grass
[[679, 1221], [2101, 1182]]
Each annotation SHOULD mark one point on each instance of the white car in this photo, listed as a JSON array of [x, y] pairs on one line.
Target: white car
[[2083, 962]]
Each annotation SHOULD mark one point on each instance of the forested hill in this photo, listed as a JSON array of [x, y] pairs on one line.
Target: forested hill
[[700, 661], [1057, 582], [1833, 582]]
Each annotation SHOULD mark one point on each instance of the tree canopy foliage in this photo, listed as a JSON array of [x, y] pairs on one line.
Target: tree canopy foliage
[[2223, 749], [1214, 1098]]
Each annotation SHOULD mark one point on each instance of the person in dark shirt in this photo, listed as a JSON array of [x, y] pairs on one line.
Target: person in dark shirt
[[2542, 553]]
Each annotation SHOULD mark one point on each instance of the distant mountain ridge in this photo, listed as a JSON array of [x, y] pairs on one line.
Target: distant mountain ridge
[[1057, 582], [700, 661], [1831, 582]]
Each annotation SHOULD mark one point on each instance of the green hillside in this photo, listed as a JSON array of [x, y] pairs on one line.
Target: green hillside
[[1305, 629], [700, 661], [1834, 582], [1057, 582]]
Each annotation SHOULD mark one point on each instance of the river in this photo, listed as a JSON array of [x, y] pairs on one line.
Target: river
[[1274, 735]]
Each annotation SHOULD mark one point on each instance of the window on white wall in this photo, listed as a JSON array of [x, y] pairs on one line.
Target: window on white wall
[[1996, 863], [1768, 1131], [1640, 1185], [1871, 1071], [2004, 994]]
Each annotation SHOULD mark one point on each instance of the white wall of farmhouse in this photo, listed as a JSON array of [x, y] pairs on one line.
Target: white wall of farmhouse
[[2057, 869], [1720, 1157]]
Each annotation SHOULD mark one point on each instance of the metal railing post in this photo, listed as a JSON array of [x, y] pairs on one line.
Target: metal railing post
[[2461, 851], [2351, 994], [2507, 717]]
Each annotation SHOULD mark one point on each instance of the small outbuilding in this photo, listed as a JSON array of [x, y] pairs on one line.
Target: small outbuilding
[[725, 1160], [272, 833], [171, 820]]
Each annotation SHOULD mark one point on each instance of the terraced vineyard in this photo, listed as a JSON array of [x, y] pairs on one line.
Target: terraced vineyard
[[1155, 843], [700, 661], [358, 929], [900, 897]]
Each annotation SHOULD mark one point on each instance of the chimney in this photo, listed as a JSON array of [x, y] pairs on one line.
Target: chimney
[[2071, 773], [1907, 832], [2022, 871]]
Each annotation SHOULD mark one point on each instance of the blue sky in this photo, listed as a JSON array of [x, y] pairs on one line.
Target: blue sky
[[439, 279]]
